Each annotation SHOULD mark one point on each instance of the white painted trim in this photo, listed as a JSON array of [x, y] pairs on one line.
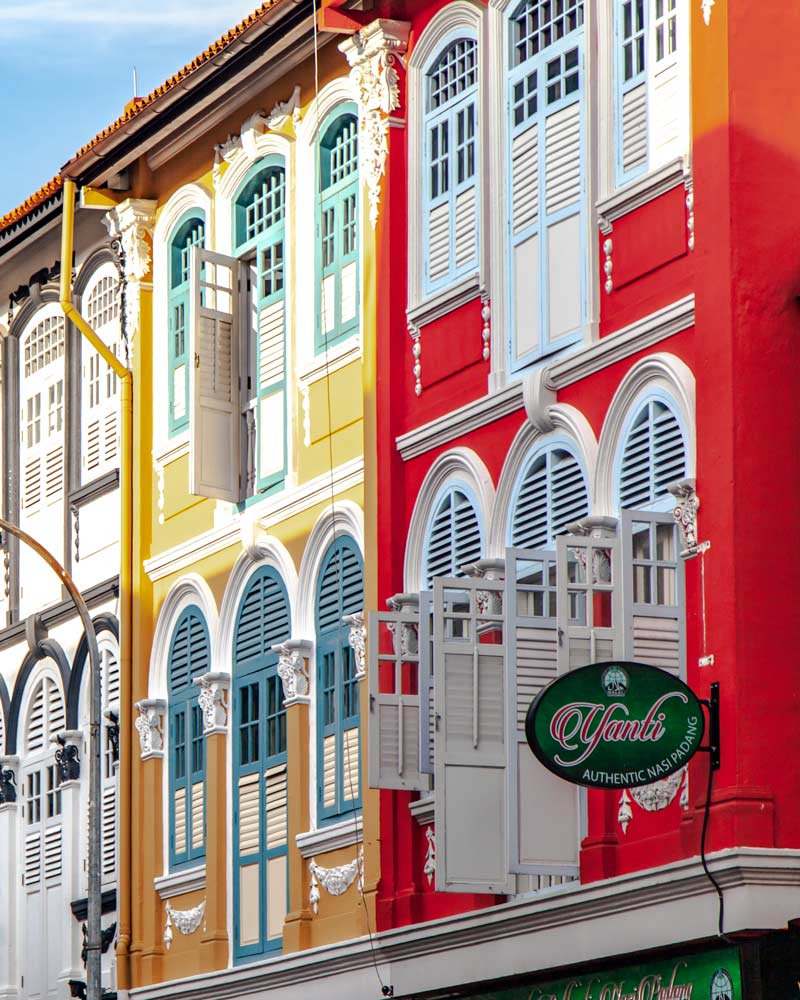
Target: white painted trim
[[190, 880], [331, 361], [423, 810], [272, 509], [177, 448], [444, 301], [532, 934], [330, 838], [643, 190], [459, 466], [664, 372]]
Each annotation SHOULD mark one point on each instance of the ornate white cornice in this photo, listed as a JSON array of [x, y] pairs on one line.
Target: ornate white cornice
[[358, 641], [373, 54], [213, 701], [132, 222], [255, 125], [293, 670], [150, 727]]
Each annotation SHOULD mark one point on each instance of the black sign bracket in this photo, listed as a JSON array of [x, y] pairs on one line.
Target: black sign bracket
[[712, 704]]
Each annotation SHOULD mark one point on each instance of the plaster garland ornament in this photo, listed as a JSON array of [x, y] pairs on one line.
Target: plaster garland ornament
[[186, 921], [373, 57], [707, 5], [429, 869], [654, 797], [486, 331], [149, 726], [625, 813], [213, 701], [608, 265], [357, 638], [293, 669], [335, 881]]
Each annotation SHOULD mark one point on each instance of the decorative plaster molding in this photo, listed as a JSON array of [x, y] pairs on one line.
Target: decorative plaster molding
[[186, 921], [213, 701], [654, 797], [685, 512], [293, 670], [373, 54], [335, 881], [429, 868], [252, 127], [641, 191], [608, 264], [332, 360], [689, 216], [441, 303], [149, 725], [131, 222], [486, 330], [416, 350], [179, 883], [357, 637], [68, 754], [9, 766], [330, 838], [423, 810], [305, 401], [706, 6]]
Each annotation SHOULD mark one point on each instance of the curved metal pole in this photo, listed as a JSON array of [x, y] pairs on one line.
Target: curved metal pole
[[93, 917]]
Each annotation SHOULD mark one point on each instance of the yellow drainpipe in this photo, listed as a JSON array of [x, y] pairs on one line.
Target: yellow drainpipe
[[125, 579]]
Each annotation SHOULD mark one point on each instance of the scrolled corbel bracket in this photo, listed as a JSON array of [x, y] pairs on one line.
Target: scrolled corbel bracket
[[150, 727], [357, 638], [687, 504], [538, 395], [293, 670], [213, 701]]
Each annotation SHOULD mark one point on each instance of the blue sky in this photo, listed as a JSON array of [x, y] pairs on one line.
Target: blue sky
[[67, 71]]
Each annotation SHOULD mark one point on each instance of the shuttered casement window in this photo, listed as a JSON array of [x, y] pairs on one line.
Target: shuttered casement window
[[337, 230], [395, 695], [471, 808], [544, 815], [649, 103], [215, 445], [189, 233], [653, 456], [451, 229], [189, 657], [260, 214], [260, 777], [551, 495], [453, 537], [653, 595], [547, 177], [99, 383], [340, 592]]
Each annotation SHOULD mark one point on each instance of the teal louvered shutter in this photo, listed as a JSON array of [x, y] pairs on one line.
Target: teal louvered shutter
[[653, 594], [189, 233], [653, 456], [552, 495], [544, 815], [340, 592], [546, 164], [453, 538], [260, 778], [189, 657]]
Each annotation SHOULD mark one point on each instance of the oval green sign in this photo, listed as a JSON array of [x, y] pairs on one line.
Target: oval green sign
[[615, 725]]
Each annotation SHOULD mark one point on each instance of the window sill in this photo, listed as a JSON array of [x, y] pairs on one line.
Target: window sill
[[441, 303], [331, 361], [330, 838], [172, 450], [423, 810], [643, 190], [178, 883]]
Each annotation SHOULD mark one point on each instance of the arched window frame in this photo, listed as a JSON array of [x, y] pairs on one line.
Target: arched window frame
[[259, 230], [539, 240], [337, 696], [338, 231], [189, 231], [187, 765], [259, 756], [457, 555]]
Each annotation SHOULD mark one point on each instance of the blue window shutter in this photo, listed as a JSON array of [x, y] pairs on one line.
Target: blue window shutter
[[189, 657], [654, 455], [340, 592], [260, 776], [189, 232]]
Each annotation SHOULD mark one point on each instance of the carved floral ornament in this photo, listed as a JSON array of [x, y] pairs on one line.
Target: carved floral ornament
[[373, 54], [213, 701], [186, 921], [131, 223], [654, 797], [150, 727], [254, 126], [358, 641], [293, 669], [335, 881]]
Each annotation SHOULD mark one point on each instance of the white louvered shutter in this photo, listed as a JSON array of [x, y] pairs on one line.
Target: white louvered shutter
[[215, 442], [427, 713], [454, 536], [544, 814], [653, 594], [552, 495], [668, 108], [272, 391], [471, 756], [394, 701], [99, 384], [654, 456], [634, 128], [589, 600]]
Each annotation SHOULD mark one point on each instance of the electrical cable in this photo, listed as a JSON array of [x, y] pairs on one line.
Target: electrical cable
[[386, 990], [704, 860]]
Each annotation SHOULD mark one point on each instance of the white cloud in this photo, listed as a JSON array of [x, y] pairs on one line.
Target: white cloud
[[179, 16]]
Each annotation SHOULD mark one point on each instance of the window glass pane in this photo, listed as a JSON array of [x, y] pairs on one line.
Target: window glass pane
[[454, 72], [536, 24]]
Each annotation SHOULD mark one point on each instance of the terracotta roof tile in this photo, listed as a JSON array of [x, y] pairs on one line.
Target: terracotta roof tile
[[135, 107]]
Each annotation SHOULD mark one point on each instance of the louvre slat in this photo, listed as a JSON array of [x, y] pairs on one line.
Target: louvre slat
[[249, 810]]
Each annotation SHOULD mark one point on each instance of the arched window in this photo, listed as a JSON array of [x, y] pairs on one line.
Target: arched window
[[99, 382], [189, 233], [451, 164], [260, 229], [453, 538], [551, 494], [340, 592], [42, 835], [260, 818], [546, 168], [653, 456], [337, 229], [189, 657]]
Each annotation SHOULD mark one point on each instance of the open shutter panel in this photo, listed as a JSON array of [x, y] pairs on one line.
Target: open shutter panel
[[544, 813], [667, 110], [589, 600], [214, 448], [394, 701], [469, 689], [427, 713], [272, 393], [653, 595]]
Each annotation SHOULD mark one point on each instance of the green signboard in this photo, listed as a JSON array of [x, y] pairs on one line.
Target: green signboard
[[615, 725], [714, 975]]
